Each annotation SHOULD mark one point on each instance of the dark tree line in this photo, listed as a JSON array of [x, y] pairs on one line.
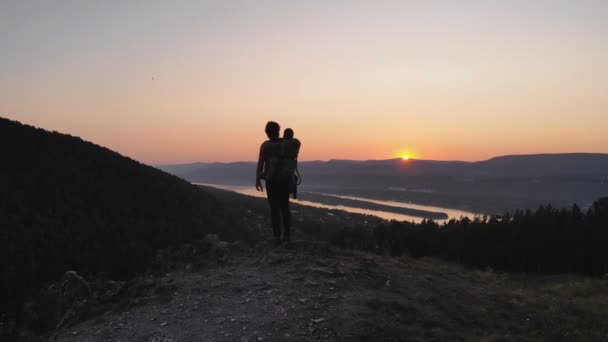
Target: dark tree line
[[545, 240], [66, 204]]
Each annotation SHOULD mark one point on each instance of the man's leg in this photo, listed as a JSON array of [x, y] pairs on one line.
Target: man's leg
[[275, 209], [285, 212]]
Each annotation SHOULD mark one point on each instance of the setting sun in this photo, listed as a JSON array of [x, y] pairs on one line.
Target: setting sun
[[405, 157]]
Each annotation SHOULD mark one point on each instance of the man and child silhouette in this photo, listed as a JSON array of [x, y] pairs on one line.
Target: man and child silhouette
[[277, 165]]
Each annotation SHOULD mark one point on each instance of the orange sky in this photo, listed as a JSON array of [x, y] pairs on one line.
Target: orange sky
[[191, 81]]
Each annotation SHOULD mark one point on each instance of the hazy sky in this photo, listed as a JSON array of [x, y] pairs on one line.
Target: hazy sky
[[180, 81]]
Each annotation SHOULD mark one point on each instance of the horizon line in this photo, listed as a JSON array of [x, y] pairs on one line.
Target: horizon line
[[391, 159]]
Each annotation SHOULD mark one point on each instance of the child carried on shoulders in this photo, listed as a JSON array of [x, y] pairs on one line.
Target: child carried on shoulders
[[284, 164]]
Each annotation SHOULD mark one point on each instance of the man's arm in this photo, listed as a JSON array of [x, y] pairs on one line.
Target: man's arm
[[259, 171]]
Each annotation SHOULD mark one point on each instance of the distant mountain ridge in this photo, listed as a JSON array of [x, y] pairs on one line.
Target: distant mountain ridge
[[550, 164], [494, 185], [508, 165], [544, 165], [183, 168]]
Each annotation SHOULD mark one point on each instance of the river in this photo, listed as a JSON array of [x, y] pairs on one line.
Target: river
[[387, 215]]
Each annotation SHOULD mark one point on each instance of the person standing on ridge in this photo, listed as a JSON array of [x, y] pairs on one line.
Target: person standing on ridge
[[277, 185]]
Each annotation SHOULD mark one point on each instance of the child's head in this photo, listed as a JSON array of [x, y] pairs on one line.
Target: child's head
[[288, 133]]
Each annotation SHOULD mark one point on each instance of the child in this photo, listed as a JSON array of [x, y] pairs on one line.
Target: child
[[291, 146], [289, 155]]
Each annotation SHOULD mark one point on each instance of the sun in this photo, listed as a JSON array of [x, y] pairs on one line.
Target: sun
[[405, 157]]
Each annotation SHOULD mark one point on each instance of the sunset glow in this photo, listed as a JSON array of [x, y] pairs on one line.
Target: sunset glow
[[186, 81], [405, 157]]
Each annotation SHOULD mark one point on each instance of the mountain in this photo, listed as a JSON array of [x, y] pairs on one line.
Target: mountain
[[68, 204], [182, 168], [546, 165], [492, 186]]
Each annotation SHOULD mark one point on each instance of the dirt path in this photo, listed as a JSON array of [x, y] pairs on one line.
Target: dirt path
[[312, 292]]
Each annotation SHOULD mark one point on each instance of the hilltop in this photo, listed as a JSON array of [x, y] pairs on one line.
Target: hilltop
[[315, 292], [312, 291]]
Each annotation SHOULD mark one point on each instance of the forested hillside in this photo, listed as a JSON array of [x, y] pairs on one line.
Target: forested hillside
[[546, 240], [67, 204]]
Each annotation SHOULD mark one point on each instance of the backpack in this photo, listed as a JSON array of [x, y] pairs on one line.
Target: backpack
[[271, 171], [283, 165]]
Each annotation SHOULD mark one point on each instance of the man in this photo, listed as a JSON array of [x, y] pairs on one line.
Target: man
[[277, 185]]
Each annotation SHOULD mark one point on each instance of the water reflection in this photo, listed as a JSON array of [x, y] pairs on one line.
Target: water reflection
[[452, 213]]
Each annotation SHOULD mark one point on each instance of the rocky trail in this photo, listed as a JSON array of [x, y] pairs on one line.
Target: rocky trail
[[310, 291]]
